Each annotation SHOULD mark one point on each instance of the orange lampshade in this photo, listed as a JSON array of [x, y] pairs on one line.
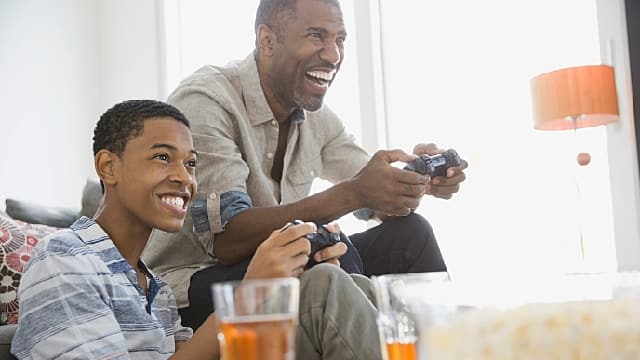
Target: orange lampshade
[[574, 97]]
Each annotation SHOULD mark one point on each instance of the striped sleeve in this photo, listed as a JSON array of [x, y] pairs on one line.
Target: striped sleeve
[[64, 305]]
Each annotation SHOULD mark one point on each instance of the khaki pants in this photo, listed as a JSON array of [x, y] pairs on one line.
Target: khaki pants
[[337, 316]]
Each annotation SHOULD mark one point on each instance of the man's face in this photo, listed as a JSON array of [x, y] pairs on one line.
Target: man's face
[[308, 54], [157, 174]]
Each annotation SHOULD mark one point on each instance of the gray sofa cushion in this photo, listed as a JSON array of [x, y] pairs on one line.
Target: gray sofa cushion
[[6, 334], [37, 214], [56, 216], [91, 197]]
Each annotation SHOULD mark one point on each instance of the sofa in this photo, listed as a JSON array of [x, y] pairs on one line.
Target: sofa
[[22, 225], [6, 331]]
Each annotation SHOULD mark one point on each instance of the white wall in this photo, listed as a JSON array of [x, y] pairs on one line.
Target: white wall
[[49, 68], [62, 63], [132, 59]]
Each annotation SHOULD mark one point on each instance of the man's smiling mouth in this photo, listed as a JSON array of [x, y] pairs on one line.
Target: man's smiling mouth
[[321, 78]]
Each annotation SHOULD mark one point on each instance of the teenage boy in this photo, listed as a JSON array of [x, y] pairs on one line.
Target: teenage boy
[[87, 294]]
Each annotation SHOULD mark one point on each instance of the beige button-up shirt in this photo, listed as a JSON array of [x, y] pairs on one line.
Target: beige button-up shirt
[[236, 135]]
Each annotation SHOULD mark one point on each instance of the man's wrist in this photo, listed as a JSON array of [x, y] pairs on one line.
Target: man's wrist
[[349, 194]]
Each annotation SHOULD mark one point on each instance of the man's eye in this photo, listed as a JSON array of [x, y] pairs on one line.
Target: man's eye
[[163, 157], [192, 163], [315, 35]]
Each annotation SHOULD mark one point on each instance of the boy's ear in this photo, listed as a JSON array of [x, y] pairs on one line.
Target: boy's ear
[[106, 164], [266, 39]]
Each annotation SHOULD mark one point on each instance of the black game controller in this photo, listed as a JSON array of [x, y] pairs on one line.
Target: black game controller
[[434, 165], [320, 239]]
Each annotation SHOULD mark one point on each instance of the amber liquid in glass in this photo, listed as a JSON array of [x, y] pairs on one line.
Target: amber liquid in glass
[[402, 351], [259, 338]]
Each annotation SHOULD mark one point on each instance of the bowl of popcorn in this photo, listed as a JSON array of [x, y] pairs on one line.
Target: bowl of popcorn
[[586, 317]]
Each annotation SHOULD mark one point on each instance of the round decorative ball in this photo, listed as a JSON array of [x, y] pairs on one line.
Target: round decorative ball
[[584, 159]]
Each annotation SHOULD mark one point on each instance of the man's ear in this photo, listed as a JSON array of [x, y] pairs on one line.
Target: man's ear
[[266, 39], [107, 166]]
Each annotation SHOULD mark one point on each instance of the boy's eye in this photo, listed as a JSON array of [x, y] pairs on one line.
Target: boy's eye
[[192, 163], [163, 157]]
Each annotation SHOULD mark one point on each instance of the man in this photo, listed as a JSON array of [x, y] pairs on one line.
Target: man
[[263, 135], [86, 294]]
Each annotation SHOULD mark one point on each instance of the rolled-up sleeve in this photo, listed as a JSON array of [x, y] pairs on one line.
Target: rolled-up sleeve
[[233, 203]]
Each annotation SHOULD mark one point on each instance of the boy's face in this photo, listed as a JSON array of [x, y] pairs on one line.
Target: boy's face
[[157, 174]]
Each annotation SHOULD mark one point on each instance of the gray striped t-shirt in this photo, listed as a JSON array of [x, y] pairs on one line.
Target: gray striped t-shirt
[[80, 299]]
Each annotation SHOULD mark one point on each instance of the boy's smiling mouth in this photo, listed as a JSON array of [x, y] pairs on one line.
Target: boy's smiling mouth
[[178, 203]]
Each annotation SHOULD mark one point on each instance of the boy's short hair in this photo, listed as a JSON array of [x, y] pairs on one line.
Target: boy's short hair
[[124, 121]]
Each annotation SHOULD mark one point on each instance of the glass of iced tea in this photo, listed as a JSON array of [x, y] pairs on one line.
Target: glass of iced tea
[[398, 328], [258, 318]]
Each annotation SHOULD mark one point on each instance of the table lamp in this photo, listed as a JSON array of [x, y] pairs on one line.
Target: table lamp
[[573, 98]]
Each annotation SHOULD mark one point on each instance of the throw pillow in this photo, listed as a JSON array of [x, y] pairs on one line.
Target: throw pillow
[[17, 240]]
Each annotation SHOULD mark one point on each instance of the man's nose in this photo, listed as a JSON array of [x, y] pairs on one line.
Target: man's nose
[[331, 53]]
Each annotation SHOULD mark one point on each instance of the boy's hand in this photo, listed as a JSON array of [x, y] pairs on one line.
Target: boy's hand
[[331, 254], [283, 254]]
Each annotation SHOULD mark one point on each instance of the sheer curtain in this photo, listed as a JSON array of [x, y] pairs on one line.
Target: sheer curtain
[[457, 74]]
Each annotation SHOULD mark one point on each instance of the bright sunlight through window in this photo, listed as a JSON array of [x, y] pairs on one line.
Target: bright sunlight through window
[[457, 74]]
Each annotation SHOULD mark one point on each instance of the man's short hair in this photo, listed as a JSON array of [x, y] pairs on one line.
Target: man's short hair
[[124, 121], [276, 13]]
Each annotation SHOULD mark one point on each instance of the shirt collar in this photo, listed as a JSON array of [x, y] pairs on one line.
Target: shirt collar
[[99, 241], [255, 102]]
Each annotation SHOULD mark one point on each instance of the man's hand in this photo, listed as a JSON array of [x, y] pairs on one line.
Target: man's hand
[[440, 186], [283, 254], [331, 254], [387, 189]]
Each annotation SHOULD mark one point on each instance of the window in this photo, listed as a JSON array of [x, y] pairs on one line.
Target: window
[[457, 74]]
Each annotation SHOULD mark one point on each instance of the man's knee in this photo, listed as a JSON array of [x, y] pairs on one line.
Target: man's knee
[[419, 247], [410, 224]]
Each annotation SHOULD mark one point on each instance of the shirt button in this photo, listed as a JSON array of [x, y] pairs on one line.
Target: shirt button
[[312, 173], [269, 155], [212, 196], [274, 123]]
